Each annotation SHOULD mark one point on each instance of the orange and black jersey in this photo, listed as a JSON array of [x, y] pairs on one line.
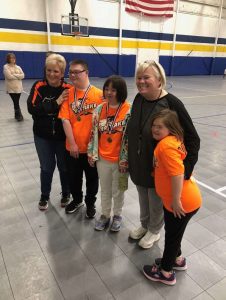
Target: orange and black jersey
[[44, 109]]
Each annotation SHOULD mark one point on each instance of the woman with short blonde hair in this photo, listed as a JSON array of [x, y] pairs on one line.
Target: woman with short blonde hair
[[158, 70], [152, 98], [44, 102], [56, 59]]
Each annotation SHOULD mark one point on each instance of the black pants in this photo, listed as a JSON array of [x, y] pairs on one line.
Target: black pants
[[75, 167], [174, 231], [16, 98]]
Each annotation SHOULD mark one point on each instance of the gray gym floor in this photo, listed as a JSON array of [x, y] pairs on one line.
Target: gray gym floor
[[53, 256]]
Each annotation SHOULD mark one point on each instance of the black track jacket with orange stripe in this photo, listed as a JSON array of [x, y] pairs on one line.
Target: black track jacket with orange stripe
[[44, 109]]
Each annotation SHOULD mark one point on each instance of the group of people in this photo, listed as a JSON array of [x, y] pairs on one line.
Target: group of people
[[154, 141]]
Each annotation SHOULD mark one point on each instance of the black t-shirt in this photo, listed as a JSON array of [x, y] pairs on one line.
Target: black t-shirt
[[44, 109], [141, 144]]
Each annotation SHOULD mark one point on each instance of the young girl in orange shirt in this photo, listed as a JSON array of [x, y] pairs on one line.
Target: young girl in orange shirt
[[181, 198], [105, 148]]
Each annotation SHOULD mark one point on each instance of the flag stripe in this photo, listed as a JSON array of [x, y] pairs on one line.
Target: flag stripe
[[151, 7], [150, 14], [159, 2]]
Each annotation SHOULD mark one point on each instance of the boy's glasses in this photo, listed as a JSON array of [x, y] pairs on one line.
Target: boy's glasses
[[75, 72]]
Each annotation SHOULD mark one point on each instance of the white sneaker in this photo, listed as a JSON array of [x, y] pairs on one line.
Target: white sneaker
[[148, 240], [138, 233]]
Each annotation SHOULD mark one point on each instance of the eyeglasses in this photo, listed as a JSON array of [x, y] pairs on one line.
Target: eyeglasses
[[75, 72]]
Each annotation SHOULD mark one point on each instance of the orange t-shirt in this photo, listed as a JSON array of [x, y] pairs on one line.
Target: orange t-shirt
[[110, 150], [168, 161], [81, 120]]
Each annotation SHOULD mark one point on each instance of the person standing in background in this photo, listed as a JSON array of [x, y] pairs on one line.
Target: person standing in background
[[13, 79]]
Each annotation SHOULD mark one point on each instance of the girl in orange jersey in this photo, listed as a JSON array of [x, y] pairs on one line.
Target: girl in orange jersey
[[109, 123], [181, 198]]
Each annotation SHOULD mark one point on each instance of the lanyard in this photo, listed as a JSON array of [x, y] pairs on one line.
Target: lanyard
[[80, 106], [110, 125], [142, 124]]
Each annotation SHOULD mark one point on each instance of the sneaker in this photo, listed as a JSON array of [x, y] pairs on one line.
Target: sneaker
[[73, 206], [137, 233], [182, 266], [90, 212], [64, 200], [154, 273], [116, 223], [43, 204], [101, 223], [148, 240]]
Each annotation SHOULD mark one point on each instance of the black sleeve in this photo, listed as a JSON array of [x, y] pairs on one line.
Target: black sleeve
[[38, 103], [191, 138]]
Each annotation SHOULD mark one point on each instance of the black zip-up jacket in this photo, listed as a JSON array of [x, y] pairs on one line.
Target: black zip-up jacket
[[44, 109], [141, 148]]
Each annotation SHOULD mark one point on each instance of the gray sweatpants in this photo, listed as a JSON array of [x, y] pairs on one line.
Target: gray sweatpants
[[151, 209]]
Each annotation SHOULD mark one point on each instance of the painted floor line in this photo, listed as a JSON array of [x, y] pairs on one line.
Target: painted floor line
[[202, 96], [211, 189], [15, 145], [223, 188]]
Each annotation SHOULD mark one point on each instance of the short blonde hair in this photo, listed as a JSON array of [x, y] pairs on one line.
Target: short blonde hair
[[56, 59], [158, 69]]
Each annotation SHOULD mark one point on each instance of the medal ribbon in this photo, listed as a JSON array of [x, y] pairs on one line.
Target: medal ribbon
[[110, 125], [80, 107]]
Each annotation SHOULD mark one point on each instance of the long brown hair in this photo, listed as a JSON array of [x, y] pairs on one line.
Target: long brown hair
[[171, 121]]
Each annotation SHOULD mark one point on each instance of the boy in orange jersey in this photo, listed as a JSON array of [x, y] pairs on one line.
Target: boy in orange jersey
[[181, 198], [76, 114]]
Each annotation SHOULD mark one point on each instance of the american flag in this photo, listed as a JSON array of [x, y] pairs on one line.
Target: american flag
[[154, 8]]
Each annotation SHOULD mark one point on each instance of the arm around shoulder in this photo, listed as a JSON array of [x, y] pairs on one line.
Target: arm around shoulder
[[191, 137]]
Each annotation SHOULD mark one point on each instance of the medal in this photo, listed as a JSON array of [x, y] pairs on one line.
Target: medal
[[78, 104], [110, 125]]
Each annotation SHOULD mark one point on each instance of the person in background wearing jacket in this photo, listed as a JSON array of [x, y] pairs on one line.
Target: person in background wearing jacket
[[44, 103], [13, 80], [152, 98]]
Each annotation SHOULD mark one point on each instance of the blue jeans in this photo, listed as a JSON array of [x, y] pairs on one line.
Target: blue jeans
[[50, 153]]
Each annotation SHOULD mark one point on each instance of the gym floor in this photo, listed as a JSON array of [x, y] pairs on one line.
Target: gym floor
[[54, 256]]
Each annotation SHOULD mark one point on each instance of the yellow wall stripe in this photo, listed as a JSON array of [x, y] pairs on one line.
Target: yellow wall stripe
[[15, 37], [83, 41], [194, 47]]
